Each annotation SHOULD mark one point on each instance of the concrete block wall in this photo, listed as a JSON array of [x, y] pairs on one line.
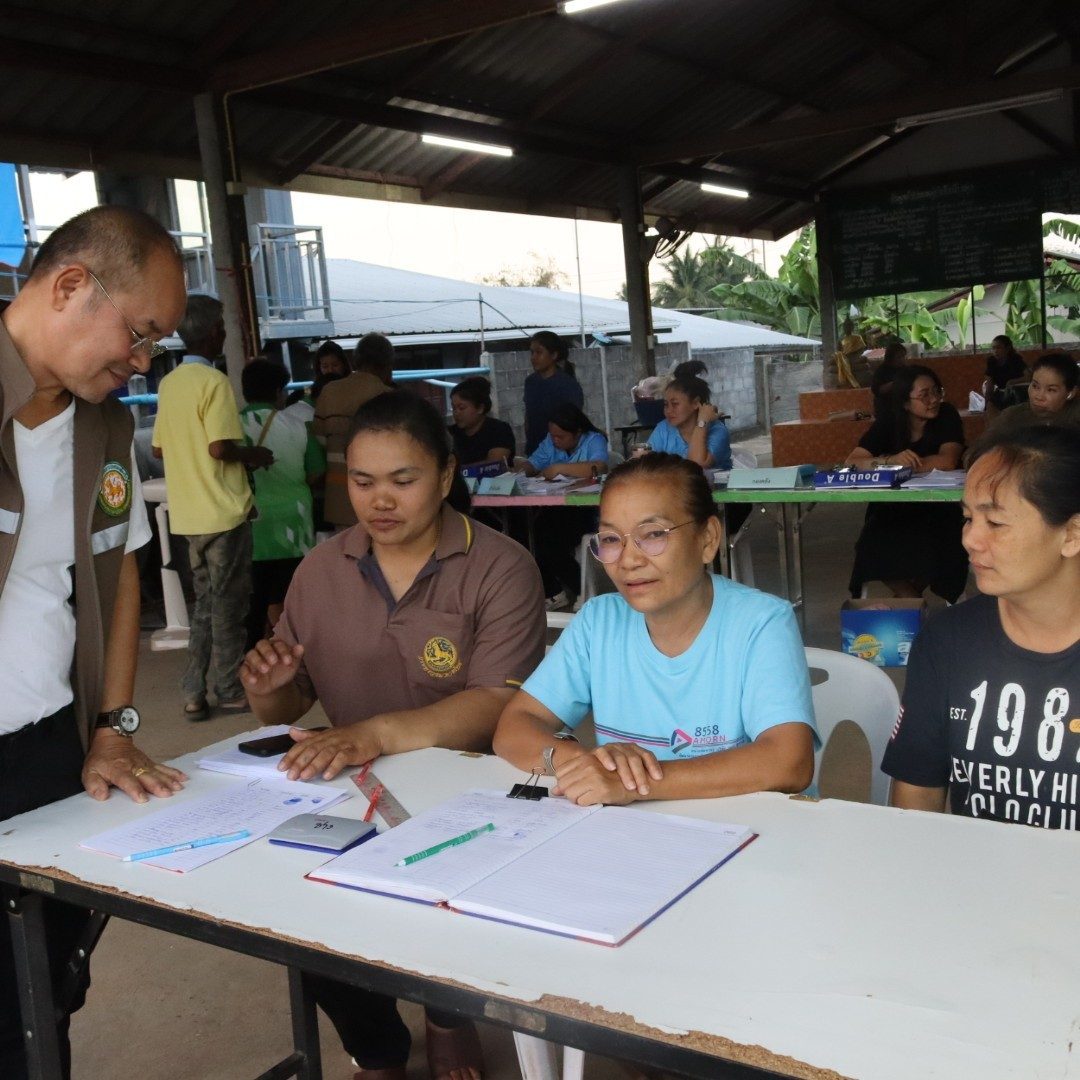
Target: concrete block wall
[[510, 369], [780, 382], [733, 383]]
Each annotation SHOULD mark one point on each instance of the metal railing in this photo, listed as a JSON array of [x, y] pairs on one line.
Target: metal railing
[[289, 265]]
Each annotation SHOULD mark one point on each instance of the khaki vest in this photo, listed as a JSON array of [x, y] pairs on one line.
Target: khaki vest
[[103, 492]]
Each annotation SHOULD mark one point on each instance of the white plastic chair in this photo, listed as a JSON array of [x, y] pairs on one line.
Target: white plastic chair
[[854, 690]]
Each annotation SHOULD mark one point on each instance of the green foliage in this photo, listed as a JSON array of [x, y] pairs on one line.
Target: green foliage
[[788, 303], [693, 275]]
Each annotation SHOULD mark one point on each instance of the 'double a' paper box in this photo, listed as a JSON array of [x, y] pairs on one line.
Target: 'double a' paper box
[[880, 631]]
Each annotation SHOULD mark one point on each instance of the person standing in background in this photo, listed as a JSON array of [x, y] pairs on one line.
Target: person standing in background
[[551, 384], [198, 436], [373, 364], [284, 530]]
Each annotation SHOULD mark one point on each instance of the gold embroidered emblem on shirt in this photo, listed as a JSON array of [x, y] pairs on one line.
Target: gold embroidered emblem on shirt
[[440, 658]]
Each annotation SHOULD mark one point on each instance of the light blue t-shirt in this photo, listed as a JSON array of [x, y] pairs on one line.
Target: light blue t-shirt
[[666, 439], [592, 446], [745, 673]]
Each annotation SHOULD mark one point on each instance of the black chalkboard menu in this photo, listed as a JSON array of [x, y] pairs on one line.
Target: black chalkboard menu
[[1061, 188], [943, 233]]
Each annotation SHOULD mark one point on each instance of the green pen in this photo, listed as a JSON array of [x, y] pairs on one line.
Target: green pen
[[472, 834]]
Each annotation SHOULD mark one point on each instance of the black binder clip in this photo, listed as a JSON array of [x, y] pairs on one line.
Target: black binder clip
[[532, 789]]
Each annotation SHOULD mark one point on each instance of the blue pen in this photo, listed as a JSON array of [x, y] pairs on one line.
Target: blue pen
[[171, 849]]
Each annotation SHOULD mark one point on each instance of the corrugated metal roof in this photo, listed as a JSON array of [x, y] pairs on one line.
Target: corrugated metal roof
[[109, 84], [412, 307]]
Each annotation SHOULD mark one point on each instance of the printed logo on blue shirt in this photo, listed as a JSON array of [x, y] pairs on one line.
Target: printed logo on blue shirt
[[679, 741]]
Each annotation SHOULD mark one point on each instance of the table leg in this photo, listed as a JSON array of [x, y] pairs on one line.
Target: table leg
[[724, 555], [35, 984], [305, 1022], [781, 521]]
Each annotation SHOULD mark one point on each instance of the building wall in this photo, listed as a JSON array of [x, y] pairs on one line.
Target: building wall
[[594, 368], [780, 382]]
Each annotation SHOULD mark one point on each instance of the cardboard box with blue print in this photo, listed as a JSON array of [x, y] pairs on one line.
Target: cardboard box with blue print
[[880, 631]]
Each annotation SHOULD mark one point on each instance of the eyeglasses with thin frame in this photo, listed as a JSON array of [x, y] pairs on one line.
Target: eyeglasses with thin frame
[[649, 539], [138, 341], [936, 394]]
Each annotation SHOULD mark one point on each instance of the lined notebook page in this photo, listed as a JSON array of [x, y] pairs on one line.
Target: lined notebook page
[[607, 876], [520, 825]]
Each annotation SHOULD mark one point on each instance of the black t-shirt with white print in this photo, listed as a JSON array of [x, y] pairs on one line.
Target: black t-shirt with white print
[[998, 724]]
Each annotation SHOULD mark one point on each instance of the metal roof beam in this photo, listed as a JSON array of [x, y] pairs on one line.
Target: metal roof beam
[[884, 41], [881, 113], [396, 118], [368, 38], [15, 17], [315, 150], [52, 59]]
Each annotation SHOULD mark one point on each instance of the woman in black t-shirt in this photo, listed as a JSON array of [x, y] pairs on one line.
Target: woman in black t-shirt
[[917, 546], [477, 435]]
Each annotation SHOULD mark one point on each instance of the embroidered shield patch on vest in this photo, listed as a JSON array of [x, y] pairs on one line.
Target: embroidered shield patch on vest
[[114, 497]]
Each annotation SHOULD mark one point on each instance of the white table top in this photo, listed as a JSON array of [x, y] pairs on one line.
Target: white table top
[[877, 943]]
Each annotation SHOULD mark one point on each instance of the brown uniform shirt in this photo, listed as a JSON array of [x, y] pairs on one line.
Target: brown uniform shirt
[[334, 411], [473, 618]]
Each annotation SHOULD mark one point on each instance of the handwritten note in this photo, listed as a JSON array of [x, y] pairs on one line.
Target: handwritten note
[[259, 806]]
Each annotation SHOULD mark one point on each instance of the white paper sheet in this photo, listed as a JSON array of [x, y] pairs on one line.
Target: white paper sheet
[[236, 763], [257, 805], [936, 478], [520, 825], [638, 862]]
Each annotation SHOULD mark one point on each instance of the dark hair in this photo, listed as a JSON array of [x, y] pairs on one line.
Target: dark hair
[[570, 418], [404, 411], [662, 470], [847, 326], [374, 353], [1045, 461], [331, 348], [262, 380], [555, 344], [476, 390], [116, 242], [902, 384], [1063, 364], [686, 378], [201, 321], [895, 355]]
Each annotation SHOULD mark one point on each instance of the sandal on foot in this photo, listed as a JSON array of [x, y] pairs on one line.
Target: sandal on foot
[[235, 707], [453, 1048], [195, 711]]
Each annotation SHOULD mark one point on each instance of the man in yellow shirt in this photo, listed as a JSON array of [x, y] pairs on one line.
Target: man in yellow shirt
[[198, 435]]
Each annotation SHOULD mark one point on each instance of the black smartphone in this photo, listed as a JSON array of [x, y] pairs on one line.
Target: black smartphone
[[268, 747]]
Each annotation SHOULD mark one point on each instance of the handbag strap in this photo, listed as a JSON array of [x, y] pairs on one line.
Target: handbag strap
[[266, 426]]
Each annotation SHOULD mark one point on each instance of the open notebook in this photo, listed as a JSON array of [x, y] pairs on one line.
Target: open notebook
[[598, 873]]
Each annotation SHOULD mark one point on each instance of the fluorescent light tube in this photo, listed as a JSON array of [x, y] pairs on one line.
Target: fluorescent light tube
[[731, 192], [571, 7], [467, 144], [979, 109]]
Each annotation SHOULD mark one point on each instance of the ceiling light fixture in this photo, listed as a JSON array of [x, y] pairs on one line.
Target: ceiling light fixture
[[572, 7], [731, 192], [468, 144], [981, 108]]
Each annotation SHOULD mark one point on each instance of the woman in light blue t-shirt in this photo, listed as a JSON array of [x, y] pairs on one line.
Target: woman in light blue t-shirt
[[573, 447], [692, 427], [698, 686]]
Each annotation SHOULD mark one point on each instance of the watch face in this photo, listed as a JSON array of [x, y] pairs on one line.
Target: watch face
[[127, 720]]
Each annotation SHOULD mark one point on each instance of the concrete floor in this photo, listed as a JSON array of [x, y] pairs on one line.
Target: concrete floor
[[166, 1008]]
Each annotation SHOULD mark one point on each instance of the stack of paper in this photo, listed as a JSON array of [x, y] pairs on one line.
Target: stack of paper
[[937, 478], [236, 763]]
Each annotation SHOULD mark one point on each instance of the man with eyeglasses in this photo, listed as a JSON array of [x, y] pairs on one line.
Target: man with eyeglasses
[[198, 435], [103, 290]]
